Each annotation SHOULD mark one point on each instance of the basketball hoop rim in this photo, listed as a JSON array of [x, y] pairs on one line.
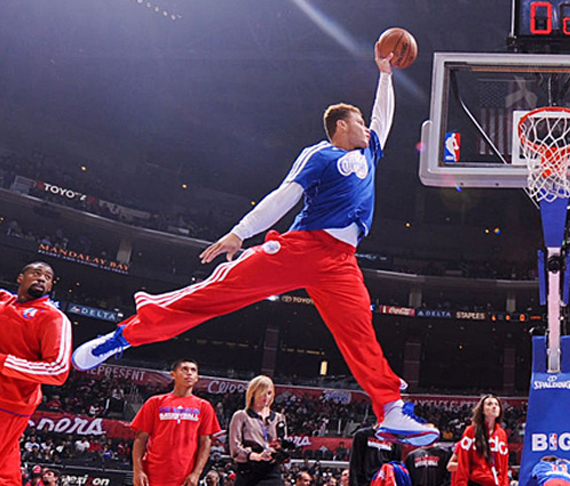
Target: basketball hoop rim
[[537, 147]]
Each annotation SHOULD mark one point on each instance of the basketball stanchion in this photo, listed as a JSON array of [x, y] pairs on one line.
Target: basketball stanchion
[[547, 430], [544, 136]]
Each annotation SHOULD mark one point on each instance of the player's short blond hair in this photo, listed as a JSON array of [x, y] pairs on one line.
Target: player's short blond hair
[[261, 384], [335, 113]]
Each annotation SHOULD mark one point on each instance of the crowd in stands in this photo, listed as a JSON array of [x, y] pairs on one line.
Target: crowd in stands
[[81, 243], [97, 183], [306, 415], [453, 419], [40, 447], [206, 224], [475, 269]]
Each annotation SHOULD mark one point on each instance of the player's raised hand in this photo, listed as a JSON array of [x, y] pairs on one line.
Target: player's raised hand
[[383, 63], [229, 244]]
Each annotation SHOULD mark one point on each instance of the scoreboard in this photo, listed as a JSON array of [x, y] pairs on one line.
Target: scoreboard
[[541, 23]]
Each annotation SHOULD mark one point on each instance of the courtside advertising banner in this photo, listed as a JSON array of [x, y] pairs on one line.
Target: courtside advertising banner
[[67, 423], [220, 386], [87, 477]]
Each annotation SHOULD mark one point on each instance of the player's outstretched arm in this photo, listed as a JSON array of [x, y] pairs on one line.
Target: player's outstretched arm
[[384, 102], [229, 244], [270, 210]]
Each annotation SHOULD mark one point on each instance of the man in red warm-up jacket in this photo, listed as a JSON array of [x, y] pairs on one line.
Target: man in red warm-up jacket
[[35, 349]]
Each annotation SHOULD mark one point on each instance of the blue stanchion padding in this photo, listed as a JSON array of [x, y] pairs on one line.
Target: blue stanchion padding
[[548, 418], [566, 283], [554, 221], [541, 278]]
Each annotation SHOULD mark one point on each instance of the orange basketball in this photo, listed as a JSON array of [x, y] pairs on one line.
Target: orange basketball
[[402, 44]]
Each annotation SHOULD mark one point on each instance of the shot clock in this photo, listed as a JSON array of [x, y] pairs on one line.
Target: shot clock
[[540, 25]]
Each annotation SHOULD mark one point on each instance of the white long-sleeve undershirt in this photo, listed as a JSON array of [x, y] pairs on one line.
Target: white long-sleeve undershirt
[[280, 201], [383, 108], [269, 210]]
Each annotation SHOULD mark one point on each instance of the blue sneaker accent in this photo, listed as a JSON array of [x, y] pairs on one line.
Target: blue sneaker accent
[[93, 353], [408, 409], [116, 341]]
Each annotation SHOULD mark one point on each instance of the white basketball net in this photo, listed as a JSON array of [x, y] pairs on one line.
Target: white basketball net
[[545, 143]]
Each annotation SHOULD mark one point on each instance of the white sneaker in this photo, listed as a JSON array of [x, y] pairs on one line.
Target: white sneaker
[[93, 353], [402, 426]]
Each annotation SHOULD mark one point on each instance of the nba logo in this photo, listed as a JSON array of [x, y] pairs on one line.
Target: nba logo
[[452, 146], [553, 441]]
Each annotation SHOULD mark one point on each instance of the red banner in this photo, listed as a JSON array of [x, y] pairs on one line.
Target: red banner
[[66, 423], [216, 386], [397, 311], [454, 402], [282, 392], [322, 443], [138, 376]]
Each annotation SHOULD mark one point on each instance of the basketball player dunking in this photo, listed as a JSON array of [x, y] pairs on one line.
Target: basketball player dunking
[[337, 179]]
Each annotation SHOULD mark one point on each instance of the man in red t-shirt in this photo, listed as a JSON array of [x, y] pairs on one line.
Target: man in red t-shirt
[[173, 433], [35, 349]]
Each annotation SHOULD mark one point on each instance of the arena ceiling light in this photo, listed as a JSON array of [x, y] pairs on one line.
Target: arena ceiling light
[[160, 10]]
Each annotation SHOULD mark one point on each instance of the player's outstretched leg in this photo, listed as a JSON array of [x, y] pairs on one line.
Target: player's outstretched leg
[[344, 303], [93, 353], [268, 269]]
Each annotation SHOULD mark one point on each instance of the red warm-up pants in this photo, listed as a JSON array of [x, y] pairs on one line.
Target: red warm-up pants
[[12, 427], [314, 260]]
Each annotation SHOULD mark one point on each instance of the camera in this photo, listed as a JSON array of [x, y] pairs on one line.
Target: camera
[[283, 447]]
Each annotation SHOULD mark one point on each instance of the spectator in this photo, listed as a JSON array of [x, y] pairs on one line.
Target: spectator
[[82, 445], [180, 426], [36, 477], [212, 478], [477, 462], [341, 452], [303, 479], [428, 466], [254, 436], [368, 454], [54, 404], [95, 447], [50, 477]]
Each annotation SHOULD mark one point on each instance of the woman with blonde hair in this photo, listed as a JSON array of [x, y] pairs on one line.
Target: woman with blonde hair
[[483, 452], [255, 437]]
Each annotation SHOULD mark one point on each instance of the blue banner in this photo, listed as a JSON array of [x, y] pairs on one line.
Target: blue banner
[[93, 312]]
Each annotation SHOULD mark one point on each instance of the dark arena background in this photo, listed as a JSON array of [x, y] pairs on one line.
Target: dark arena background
[[135, 132]]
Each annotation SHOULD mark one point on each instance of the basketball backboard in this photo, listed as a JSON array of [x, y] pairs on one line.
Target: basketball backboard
[[477, 100]]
